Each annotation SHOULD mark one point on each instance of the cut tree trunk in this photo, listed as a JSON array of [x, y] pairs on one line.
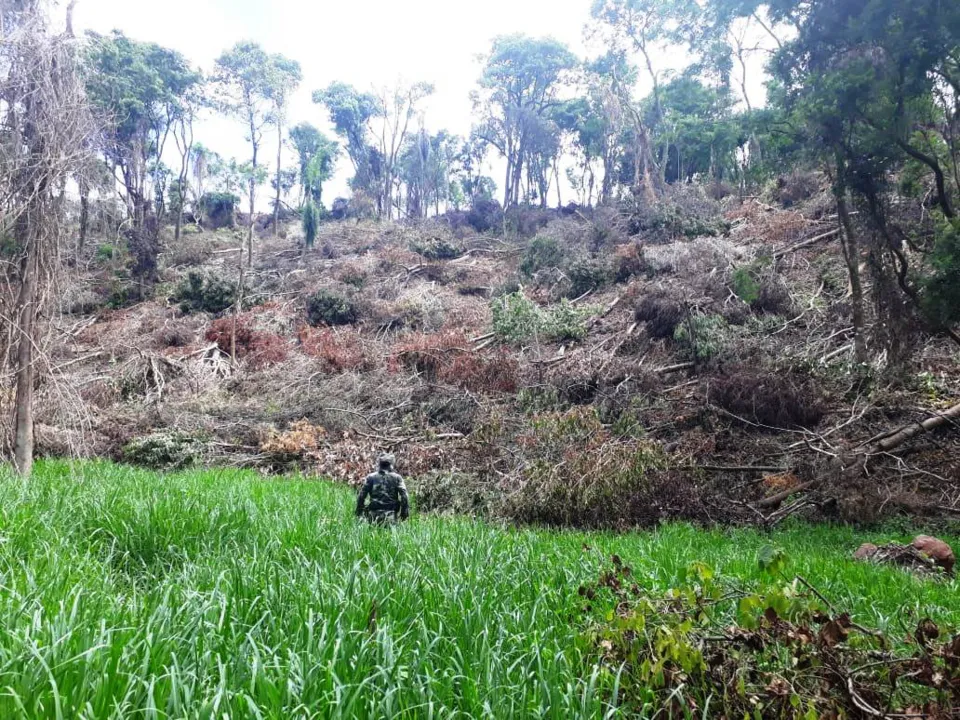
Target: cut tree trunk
[[26, 323]]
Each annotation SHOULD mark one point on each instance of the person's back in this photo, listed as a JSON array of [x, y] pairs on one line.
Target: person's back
[[386, 492]]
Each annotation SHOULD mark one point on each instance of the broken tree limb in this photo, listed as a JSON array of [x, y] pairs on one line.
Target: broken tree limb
[[806, 243], [672, 368], [776, 500], [905, 433]]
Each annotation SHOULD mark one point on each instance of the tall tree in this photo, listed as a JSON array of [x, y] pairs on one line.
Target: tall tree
[[286, 77], [44, 111], [519, 85], [251, 82], [351, 111], [396, 108], [139, 91], [317, 155]]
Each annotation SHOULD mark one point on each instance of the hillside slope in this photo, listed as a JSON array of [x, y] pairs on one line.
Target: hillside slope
[[595, 368]]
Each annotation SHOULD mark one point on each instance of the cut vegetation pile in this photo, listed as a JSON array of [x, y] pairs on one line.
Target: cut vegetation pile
[[720, 357]]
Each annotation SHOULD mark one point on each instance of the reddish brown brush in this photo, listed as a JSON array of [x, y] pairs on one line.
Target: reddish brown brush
[[445, 357], [340, 351], [257, 347]]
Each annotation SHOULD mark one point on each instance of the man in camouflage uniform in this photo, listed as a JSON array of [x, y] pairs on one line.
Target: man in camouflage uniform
[[387, 493]]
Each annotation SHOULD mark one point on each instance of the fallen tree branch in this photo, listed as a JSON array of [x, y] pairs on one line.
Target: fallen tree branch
[[806, 243]]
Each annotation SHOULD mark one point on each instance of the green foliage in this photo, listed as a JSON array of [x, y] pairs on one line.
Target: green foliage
[[435, 248], [317, 155], [591, 486], [517, 319], [587, 274], [310, 222], [941, 288], [133, 563], [106, 252], [205, 293], [542, 253], [702, 336], [745, 285], [218, 208], [328, 308], [167, 450]]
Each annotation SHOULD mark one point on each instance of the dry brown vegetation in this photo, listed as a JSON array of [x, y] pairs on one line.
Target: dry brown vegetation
[[678, 401]]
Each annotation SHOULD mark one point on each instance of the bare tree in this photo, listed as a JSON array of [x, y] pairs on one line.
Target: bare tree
[[46, 129]]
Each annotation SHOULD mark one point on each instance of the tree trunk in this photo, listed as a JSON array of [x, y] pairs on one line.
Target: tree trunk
[[276, 207], [851, 254], [84, 215], [253, 190], [25, 373]]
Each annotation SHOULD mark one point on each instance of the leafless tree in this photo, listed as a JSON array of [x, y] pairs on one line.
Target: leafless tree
[[45, 129]]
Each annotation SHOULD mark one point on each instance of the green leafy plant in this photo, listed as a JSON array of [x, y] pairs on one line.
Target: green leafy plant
[[205, 293], [164, 450], [516, 319], [328, 308], [310, 222], [702, 336]]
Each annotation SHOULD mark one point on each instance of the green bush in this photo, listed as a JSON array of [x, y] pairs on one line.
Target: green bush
[[163, 450], [219, 208], [587, 274], [745, 285], [435, 249], [941, 288], [205, 293], [516, 319], [543, 253], [702, 336], [329, 308], [310, 221]]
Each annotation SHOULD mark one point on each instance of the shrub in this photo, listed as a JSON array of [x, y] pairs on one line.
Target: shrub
[[771, 399], [542, 253], [578, 473], [586, 274], [701, 336], [200, 293], [311, 223], [163, 450], [745, 285], [662, 311], [329, 308], [796, 187], [219, 209], [338, 351], [628, 262], [460, 493], [446, 357], [764, 293], [941, 288], [257, 347], [485, 215], [435, 248], [295, 443], [516, 318]]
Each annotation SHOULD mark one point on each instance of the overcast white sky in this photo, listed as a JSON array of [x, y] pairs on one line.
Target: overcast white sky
[[362, 42]]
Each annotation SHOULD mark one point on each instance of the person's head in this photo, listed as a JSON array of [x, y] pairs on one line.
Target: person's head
[[385, 462]]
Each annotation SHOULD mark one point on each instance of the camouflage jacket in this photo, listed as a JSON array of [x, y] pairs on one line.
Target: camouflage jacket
[[387, 494]]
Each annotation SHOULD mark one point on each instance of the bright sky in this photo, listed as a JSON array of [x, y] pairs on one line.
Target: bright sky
[[362, 42]]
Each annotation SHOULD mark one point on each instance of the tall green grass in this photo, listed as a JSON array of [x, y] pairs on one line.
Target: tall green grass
[[125, 593]]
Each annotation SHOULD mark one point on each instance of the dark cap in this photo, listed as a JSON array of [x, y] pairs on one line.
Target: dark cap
[[386, 459]]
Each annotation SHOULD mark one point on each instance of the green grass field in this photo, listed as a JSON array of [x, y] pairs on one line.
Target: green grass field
[[220, 594]]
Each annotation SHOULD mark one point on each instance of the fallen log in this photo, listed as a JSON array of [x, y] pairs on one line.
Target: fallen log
[[901, 435], [806, 243]]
